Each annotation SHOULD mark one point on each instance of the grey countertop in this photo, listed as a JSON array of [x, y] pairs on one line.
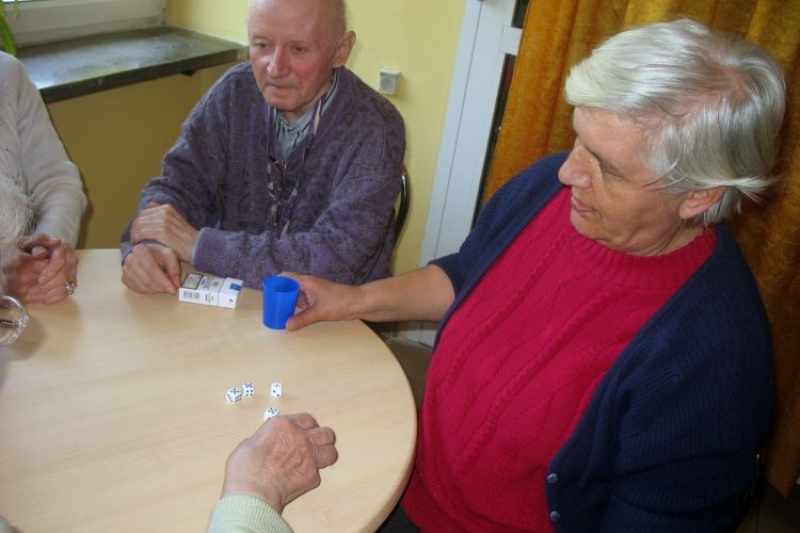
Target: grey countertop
[[81, 66]]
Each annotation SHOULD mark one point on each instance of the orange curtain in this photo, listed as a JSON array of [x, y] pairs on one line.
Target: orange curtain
[[537, 121]]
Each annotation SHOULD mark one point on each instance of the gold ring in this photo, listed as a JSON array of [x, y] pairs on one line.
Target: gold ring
[[69, 287]]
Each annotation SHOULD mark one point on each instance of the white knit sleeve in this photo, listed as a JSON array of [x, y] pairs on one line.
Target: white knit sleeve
[[51, 180]]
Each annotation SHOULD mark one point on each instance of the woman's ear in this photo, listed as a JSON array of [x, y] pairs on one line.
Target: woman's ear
[[696, 203]]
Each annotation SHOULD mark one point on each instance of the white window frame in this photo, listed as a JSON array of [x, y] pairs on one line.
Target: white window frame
[[52, 20], [487, 37]]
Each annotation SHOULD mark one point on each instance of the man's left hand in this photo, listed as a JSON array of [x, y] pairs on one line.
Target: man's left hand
[[163, 223]]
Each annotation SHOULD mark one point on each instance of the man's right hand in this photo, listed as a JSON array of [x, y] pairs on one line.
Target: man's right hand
[[152, 268]]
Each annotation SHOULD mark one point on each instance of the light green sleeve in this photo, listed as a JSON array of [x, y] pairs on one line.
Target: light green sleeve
[[242, 513]]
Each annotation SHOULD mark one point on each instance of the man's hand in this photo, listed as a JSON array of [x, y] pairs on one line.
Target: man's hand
[[152, 268], [162, 223], [40, 268], [281, 461]]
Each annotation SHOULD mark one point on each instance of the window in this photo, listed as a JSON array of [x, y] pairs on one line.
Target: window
[[48, 20]]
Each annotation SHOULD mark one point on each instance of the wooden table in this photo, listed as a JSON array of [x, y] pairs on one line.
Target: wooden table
[[113, 414]]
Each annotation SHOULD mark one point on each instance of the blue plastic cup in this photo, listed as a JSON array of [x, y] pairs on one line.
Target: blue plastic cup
[[280, 300]]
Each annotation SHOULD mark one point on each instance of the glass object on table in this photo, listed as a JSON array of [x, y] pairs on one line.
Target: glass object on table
[[13, 319]]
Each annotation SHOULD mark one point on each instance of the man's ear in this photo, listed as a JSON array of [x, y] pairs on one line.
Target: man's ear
[[344, 48], [696, 203]]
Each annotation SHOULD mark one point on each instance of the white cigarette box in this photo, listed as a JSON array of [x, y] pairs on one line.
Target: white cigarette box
[[200, 289], [229, 293], [210, 290]]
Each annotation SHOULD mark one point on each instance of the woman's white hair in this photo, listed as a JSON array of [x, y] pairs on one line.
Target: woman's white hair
[[14, 216], [14, 212], [710, 106]]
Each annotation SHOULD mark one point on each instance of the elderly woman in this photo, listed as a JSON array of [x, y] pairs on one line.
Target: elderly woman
[[603, 360], [13, 218], [41, 267]]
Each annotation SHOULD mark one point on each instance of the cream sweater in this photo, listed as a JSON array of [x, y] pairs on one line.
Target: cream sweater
[[32, 156]]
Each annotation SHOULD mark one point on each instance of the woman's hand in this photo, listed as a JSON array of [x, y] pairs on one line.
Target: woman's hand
[[322, 300], [43, 269]]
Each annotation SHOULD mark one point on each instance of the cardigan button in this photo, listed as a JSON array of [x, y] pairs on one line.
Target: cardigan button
[[555, 516], [552, 479]]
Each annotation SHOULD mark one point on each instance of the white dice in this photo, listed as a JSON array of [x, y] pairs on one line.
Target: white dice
[[248, 390], [233, 395]]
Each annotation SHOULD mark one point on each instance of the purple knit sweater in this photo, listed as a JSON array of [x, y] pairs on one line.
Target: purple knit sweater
[[341, 221]]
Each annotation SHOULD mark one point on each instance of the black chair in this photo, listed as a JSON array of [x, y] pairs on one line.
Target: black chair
[[386, 330], [402, 205]]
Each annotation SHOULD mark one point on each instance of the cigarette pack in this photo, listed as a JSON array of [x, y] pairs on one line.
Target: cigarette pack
[[229, 293], [210, 290]]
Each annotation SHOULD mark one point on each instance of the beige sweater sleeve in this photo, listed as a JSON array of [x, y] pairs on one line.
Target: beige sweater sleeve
[[245, 514]]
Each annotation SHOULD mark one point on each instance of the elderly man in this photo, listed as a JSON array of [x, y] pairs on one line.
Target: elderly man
[[603, 362], [289, 162]]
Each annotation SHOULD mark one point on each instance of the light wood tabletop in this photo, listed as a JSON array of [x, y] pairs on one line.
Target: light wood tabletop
[[113, 415]]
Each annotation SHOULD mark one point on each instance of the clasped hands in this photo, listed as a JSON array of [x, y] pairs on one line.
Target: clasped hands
[[161, 239], [40, 268]]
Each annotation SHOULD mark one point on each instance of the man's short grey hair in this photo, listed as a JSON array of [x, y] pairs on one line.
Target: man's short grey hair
[[340, 16], [710, 106]]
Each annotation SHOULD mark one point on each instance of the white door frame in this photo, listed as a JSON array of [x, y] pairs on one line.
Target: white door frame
[[487, 37]]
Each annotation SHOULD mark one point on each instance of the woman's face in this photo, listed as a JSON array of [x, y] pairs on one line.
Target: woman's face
[[615, 197]]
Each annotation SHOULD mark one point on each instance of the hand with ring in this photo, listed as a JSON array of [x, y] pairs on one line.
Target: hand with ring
[[70, 286], [42, 269]]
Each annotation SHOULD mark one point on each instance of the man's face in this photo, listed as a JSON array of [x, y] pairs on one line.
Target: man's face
[[294, 45], [615, 198]]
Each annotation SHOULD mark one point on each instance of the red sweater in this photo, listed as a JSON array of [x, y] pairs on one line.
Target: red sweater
[[517, 364]]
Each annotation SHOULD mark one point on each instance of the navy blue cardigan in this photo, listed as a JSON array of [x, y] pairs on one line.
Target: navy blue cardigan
[[669, 439]]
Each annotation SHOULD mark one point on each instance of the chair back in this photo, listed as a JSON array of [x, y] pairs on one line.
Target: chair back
[[402, 205]]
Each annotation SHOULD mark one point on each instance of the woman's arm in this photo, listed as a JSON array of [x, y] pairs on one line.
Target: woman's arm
[[422, 294]]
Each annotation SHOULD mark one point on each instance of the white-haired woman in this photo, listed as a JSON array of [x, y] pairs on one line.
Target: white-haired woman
[[41, 267], [603, 361]]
